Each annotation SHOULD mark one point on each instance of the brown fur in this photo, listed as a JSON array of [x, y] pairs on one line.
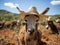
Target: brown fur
[[26, 39]]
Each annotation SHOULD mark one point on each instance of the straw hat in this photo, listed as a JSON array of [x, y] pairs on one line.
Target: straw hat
[[32, 10]]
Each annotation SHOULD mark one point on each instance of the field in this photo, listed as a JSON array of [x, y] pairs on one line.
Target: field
[[11, 36], [8, 37]]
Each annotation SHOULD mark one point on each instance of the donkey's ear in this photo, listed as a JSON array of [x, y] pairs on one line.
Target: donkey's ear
[[19, 10], [45, 11], [21, 13], [42, 15]]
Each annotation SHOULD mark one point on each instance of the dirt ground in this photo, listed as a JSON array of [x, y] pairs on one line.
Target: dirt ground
[[9, 37], [50, 39]]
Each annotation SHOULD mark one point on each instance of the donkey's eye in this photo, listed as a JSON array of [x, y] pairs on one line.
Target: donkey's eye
[[36, 20], [25, 20]]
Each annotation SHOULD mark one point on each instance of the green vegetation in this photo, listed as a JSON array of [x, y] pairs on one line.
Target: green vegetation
[[8, 16], [54, 17]]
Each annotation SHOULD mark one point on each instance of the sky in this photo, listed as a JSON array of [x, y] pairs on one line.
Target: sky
[[10, 5]]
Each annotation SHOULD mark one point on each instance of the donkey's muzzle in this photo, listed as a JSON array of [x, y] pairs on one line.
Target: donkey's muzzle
[[30, 31]]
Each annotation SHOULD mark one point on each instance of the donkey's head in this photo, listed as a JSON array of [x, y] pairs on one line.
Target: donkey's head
[[31, 19], [31, 23]]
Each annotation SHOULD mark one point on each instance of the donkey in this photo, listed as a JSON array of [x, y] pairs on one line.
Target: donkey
[[7, 24], [29, 33], [52, 26]]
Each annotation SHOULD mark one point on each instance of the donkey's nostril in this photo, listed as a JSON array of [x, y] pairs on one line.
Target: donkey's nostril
[[31, 31]]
